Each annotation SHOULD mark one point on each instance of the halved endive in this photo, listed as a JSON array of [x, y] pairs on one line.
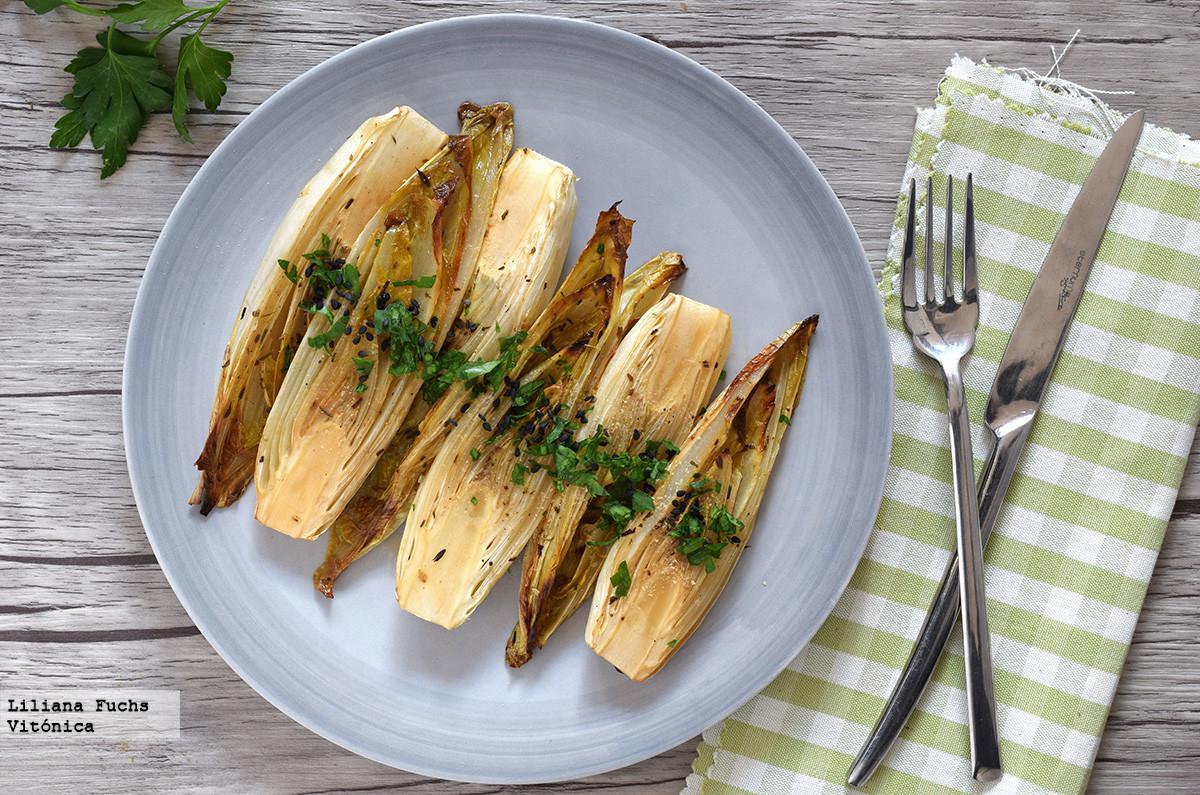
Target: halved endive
[[484, 492], [520, 264], [376, 330], [647, 400], [658, 583], [337, 202]]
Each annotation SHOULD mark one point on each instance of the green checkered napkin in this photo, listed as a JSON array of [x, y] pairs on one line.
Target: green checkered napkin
[[1076, 542]]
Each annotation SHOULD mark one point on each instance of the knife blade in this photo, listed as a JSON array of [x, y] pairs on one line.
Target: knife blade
[[1016, 395]]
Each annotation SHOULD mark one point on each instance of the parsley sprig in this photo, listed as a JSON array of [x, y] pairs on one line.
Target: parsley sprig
[[124, 80]]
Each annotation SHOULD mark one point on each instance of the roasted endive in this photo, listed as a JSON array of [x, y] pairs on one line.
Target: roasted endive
[[337, 202], [658, 583], [520, 264], [497, 473], [377, 329], [646, 401]]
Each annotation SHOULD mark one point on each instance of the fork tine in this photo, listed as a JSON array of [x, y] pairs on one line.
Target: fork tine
[[948, 259], [908, 275], [930, 297], [970, 277]]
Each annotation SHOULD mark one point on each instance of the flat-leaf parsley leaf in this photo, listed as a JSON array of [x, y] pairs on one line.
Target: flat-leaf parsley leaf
[[202, 69], [124, 80]]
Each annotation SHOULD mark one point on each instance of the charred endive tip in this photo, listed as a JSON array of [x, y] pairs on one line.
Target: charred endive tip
[[658, 583]]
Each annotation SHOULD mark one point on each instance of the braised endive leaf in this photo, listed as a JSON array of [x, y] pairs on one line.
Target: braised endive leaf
[[323, 436], [681, 554], [455, 548], [520, 262], [335, 205], [661, 374]]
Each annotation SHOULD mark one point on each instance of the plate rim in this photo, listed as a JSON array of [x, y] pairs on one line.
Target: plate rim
[[748, 687]]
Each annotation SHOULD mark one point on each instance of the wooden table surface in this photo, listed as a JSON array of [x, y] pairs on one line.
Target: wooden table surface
[[90, 605]]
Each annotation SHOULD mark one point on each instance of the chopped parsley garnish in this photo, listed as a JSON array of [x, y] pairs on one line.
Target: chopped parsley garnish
[[474, 500], [671, 643], [333, 288], [290, 271], [330, 276], [410, 342], [634, 478], [546, 439], [702, 538], [441, 371], [621, 580], [475, 454], [785, 419], [405, 336], [331, 283], [423, 283], [510, 350], [329, 336], [518, 474], [362, 367], [641, 501], [527, 398]]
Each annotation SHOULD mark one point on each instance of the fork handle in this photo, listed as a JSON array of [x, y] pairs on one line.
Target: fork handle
[[943, 616], [981, 704]]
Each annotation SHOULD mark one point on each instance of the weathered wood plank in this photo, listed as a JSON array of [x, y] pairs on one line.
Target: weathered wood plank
[[85, 601]]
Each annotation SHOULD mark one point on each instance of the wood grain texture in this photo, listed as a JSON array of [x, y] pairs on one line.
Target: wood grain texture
[[85, 601]]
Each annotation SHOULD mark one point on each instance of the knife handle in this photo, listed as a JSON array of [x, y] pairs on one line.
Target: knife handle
[[939, 624]]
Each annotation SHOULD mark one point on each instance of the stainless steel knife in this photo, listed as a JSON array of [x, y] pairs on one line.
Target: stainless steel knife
[[1016, 395]]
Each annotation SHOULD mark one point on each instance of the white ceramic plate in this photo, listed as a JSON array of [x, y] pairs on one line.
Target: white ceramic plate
[[703, 170]]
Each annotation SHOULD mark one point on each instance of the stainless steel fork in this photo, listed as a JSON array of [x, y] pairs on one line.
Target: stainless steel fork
[[945, 332]]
